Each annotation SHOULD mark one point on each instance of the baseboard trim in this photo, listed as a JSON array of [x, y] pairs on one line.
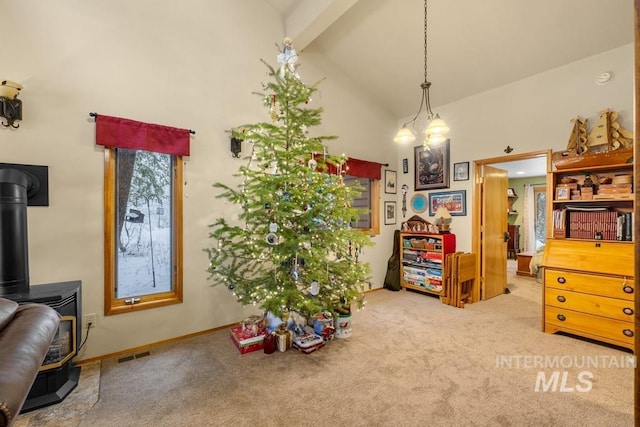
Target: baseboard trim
[[167, 341]]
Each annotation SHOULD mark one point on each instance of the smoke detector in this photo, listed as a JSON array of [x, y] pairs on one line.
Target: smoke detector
[[604, 78]]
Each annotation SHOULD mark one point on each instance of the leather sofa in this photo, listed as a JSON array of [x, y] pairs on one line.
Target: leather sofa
[[26, 333]]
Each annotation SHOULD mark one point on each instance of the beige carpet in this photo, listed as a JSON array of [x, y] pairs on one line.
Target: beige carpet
[[411, 361]]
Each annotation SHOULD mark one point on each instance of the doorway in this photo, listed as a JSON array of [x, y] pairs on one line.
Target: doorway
[[492, 255]]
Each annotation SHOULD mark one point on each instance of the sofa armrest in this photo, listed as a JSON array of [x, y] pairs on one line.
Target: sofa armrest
[[25, 342]]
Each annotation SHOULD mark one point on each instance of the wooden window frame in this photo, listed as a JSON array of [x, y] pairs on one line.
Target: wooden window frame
[[374, 206], [113, 305]]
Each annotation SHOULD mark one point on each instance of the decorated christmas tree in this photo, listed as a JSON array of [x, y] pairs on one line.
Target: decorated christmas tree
[[293, 248]]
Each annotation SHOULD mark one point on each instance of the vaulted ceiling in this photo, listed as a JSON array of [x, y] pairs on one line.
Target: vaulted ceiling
[[473, 45]]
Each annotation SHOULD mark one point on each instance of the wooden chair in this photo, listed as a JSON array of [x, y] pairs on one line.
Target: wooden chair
[[464, 277], [460, 278]]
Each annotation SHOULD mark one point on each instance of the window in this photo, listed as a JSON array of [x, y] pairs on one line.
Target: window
[[143, 229], [369, 199]]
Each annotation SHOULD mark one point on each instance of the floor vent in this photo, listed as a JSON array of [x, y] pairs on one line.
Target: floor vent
[[136, 356], [125, 359]]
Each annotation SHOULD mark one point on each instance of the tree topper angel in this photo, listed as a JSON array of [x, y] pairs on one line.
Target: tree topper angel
[[288, 57]]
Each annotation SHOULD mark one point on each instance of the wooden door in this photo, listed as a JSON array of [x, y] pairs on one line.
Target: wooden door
[[493, 217]]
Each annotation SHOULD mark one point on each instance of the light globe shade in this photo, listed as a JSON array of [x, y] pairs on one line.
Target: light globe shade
[[9, 89], [443, 213], [404, 135], [434, 139], [437, 126]]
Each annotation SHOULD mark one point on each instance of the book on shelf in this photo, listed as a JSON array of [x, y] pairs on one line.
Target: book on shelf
[[598, 223]]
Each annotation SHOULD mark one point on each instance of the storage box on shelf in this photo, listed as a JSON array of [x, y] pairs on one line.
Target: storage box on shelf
[[422, 260], [589, 282], [601, 209]]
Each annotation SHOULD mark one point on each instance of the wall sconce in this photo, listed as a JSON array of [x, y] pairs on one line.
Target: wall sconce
[[443, 219], [236, 147], [10, 105]]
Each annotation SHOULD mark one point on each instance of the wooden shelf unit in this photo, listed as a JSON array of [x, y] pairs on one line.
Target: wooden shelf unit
[[589, 282], [422, 260]]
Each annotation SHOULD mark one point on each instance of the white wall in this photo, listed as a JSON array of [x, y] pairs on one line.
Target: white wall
[[191, 67], [529, 115]]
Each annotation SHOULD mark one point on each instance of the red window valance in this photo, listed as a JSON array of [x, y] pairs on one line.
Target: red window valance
[[117, 132], [359, 168]]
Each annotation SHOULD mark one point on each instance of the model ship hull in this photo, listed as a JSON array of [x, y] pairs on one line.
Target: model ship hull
[[569, 159]]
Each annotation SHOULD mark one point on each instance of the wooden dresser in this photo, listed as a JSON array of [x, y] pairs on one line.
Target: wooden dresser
[[589, 283], [590, 290]]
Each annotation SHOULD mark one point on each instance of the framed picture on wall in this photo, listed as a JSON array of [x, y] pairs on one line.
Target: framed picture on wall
[[454, 201], [389, 213], [461, 171], [390, 181], [432, 166]]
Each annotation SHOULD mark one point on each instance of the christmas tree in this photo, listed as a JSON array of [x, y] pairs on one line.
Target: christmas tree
[[294, 248]]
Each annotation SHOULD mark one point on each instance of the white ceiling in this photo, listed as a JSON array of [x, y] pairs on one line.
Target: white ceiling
[[524, 168], [473, 45]]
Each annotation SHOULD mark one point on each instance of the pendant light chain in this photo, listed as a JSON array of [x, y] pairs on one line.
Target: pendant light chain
[[425, 41], [436, 130]]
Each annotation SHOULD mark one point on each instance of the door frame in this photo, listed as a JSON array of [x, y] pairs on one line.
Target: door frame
[[477, 201]]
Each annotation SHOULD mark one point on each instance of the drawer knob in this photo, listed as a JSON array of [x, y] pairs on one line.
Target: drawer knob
[[561, 317], [627, 311], [561, 280], [627, 289], [627, 332], [561, 298]]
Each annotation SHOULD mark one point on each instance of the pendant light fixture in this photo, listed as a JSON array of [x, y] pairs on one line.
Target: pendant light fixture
[[436, 131]]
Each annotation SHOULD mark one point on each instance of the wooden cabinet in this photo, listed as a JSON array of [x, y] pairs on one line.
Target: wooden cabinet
[[422, 260], [513, 245], [589, 258], [523, 266]]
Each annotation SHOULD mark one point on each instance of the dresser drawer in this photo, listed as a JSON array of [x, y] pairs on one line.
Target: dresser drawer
[[592, 326], [591, 304], [595, 284], [603, 257]]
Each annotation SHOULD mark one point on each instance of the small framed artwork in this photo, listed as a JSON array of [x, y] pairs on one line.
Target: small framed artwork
[[511, 192], [432, 166], [390, 179], [454, 201], [461, 171], [389, 213], [405, 165], [563, 193]]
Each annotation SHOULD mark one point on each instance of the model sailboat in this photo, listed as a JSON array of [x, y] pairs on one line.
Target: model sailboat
[[608, 143]]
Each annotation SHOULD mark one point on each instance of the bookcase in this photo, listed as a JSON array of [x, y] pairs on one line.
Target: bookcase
[[589, 259], [602, 209], [422, 260]]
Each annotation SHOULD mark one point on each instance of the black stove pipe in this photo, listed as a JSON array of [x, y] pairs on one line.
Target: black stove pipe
[[14, 251]]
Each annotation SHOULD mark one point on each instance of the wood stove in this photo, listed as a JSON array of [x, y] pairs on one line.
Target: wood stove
[[58, 375]]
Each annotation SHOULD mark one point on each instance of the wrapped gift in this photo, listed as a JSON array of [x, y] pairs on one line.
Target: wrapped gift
[[323, 325], [284, 337], [308, 343], [246, 343], [253, 326]]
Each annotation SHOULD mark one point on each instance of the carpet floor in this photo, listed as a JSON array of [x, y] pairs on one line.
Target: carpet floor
[[410, 361]]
